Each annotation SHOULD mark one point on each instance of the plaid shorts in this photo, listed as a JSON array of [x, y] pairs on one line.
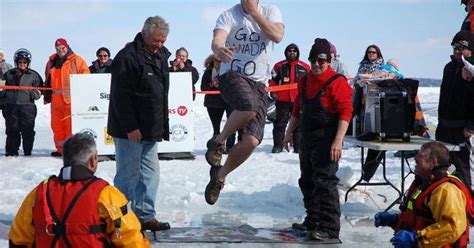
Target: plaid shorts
[[244, 94]]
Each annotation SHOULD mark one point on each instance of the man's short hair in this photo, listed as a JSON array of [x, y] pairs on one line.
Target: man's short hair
[[155, 22], [78, 149], [182, 49], [436, 150]]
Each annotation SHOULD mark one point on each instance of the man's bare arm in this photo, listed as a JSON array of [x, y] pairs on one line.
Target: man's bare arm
[[274, 31], [218, 46]]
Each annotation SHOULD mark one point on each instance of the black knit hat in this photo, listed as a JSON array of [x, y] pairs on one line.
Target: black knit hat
[[292, 46], [465, 38], [321, 49], [105, 49]]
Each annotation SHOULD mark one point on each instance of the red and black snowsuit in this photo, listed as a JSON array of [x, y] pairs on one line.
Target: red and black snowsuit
[[286, 72]]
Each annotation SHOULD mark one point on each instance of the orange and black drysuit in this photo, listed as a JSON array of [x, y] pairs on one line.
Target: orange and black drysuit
[[76, 209], [58, 71], [437, 211]]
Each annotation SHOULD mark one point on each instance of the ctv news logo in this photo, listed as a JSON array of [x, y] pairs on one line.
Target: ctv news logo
[[181, 110]]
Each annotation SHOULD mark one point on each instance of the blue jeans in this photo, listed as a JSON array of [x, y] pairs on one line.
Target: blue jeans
[[138, 175]]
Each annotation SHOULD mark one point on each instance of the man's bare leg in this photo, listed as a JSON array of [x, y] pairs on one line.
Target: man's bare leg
[[236, 121], [239, 153]]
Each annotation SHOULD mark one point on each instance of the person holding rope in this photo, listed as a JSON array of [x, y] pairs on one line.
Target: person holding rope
[[288, 71], [20, 109], [58, 70]]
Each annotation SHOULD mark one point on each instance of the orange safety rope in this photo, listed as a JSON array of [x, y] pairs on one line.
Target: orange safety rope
[[9, 87], [207, 92], [268, 89]]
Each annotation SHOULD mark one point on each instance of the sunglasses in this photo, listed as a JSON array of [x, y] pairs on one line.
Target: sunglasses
[[292, 51], [103, 56], [319, 61], [22, 62], [371, 52]]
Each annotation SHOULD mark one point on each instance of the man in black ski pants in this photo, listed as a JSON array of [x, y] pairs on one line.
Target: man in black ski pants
[[323, 109]]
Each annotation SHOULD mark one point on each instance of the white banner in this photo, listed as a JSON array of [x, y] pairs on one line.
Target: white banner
[[180, 100], [90, 105]]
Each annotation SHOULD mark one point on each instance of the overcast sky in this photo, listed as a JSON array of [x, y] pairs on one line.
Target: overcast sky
[[417, 33]]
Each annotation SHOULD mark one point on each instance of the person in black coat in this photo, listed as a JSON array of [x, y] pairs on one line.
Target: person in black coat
[[20, 109], [213, 102], [138, 117], [182, 64], [103, 62], [456, 107]]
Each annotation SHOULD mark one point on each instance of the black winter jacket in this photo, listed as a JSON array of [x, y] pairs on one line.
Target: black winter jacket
[[139, 92], [456, 98], [27, 78]]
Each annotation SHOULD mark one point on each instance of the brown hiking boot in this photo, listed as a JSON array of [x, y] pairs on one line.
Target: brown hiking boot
[[214, 152], [154, 225], [214, 186]]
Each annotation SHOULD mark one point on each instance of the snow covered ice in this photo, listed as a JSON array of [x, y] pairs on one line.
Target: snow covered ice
[[263, 192]]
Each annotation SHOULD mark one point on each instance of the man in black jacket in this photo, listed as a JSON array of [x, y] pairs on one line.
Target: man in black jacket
[[138, 117], [455, 108]]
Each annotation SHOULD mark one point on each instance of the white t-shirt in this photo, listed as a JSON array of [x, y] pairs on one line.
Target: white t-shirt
[[253, 49]]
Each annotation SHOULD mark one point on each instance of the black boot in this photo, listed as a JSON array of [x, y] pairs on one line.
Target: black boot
[[56, 154], [307, 225]]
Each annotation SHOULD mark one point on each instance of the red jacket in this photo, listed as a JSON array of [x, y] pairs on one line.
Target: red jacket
[[337, 98], [286, 72]]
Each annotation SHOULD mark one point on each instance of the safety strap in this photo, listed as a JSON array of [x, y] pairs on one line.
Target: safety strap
[[47, 212], [124, 209], [59, 226], [330, 80], [280, 73], [100, 228]]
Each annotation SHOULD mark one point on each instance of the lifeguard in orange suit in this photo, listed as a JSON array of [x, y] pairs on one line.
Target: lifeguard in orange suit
[[58, 70]]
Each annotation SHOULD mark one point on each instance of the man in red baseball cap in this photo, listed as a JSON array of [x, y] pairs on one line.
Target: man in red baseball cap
[[60, 66]]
